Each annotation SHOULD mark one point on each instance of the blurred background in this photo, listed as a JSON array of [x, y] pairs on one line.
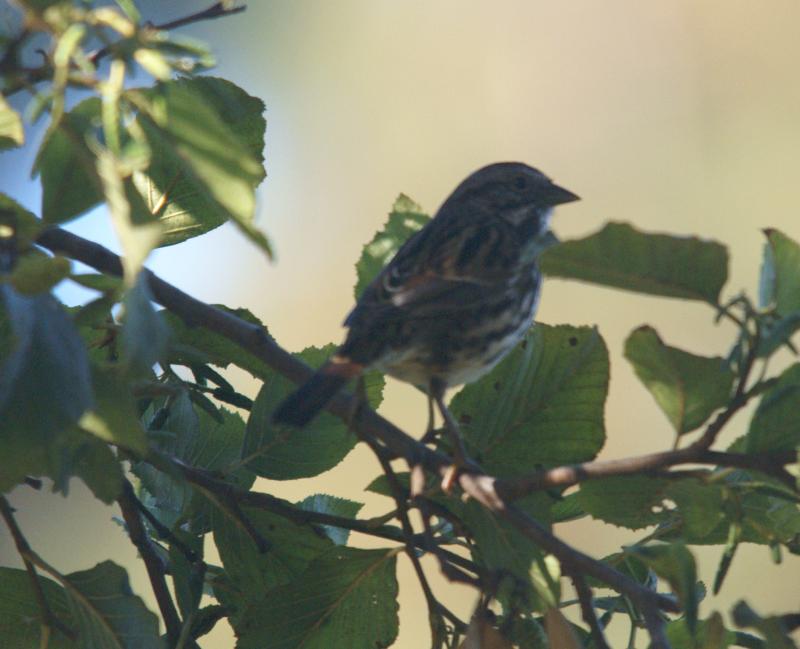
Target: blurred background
[[677, 116]]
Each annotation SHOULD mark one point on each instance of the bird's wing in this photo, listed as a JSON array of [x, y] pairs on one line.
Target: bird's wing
[[444, 269]]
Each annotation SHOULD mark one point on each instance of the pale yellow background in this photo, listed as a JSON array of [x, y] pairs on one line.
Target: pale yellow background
[[676, 116]]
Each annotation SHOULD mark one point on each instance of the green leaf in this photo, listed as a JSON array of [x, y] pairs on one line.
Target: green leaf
[[627, 501], [114, 417], [657, 264], [699, 506], [251, 573], [20, 617], [12, 133], [688, 388], [106, 613], [206, 137], [326, 504], [676, 565], [201, 441], [45, 383], [709, 634], [347, 597], [405, 219], [66, 164], [775, 426], [780, 273], [38, 273], [775, 333], [284, 452], [24, 224], [137, 229], [187, 576], [541, 405], [144, 333], [775, 633]]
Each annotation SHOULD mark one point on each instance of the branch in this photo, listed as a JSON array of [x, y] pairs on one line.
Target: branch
[[44, 71], [217, 10], [566, 476], [255, 340], [48, 618], [587, 610], [155, 568]]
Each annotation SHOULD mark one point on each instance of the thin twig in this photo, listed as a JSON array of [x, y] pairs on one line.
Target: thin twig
[[587, 610], [435, 608], [155, 567], [48, 618]]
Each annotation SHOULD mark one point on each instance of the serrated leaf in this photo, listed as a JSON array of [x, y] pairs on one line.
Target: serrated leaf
[[541, 405], [12, 133], [676, 565], [326, 504], [687, 388], [775, 425], [284, 452], [699, 505], [107, 614], [348, 597], [66, 164], [627, 501], [657, 264], [199, 440], [404, 220], [206, 137], [780, 275], [20, 617], [251, 573]]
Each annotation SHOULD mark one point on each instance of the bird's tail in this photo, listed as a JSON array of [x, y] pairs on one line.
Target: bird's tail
[[304, 404]]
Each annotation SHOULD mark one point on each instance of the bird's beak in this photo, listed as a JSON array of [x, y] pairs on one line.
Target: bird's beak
[[555, 195]]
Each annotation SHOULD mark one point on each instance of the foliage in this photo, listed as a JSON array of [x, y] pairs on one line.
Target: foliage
[[134, 401]]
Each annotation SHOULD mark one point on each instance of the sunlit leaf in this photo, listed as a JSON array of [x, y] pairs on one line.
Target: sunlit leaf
[[326, 504], [12, 133], [405, 219]]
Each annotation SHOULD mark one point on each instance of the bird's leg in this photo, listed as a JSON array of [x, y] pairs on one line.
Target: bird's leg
[[430, 430], [437, 388]]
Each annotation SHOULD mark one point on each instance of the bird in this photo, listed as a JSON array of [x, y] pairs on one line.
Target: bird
[[455, 299]]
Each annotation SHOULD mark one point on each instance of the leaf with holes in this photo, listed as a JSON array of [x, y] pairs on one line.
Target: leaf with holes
[[542, 405]]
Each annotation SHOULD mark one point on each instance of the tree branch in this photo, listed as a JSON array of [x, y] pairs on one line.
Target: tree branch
[[155, 567], [48, 618], [587, 610], [255, 340], [565, 476]]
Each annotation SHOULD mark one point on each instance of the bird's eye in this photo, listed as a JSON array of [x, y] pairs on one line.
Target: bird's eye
[[521, 182]]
